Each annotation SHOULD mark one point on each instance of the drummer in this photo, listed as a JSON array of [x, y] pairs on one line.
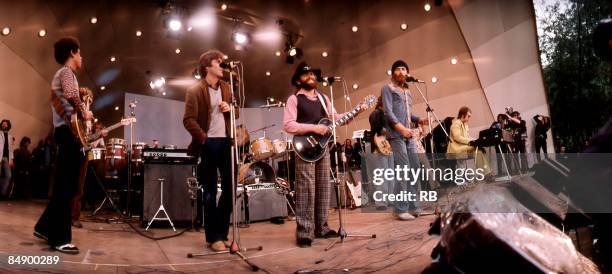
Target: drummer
[[98, 127]]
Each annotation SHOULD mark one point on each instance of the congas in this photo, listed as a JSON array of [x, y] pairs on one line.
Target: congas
[[114, 158], [262, 148], [257, 172], [280, 146], [96, 154]]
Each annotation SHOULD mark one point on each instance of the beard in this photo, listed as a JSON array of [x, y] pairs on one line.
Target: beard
[[308, 85]]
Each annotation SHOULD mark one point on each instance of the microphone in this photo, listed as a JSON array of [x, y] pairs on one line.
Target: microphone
[[330, 79], [229, 65], [412, 79]]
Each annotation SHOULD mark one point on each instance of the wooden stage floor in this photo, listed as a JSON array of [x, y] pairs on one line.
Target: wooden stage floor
[[400, 247]]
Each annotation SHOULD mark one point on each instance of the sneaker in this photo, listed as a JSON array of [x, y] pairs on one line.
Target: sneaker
[[40, 236], [404, 216], [67, 248], [218, 246], [304, 243]]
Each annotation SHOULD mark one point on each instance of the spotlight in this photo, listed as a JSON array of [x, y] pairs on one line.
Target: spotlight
[[6, 31], [189, 28], [292, 51], [434, 79], [95, 120], [324, 54], [355, 86], [197, 76], [225, 57], [175, 24], [240, 38], [113, 59], [223, 6], [102, 87], [138, 33], [354, 28], [325, 83], [42, 33], [268, 73], [454, 61], [157, 83], [348, 98], [389, 72], [116, 107], [404, 26], [164, 93], [93, 20], [277, 53], [177, 51], [427, 7]]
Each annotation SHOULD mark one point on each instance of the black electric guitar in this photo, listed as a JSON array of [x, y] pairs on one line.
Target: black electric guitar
[[312, 147]]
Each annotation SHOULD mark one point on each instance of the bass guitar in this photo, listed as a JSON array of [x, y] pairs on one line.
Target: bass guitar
[[311, 147]]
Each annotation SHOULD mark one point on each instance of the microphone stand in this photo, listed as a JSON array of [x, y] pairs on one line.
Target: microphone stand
[[342, 234], [132, 107], [235, 248]]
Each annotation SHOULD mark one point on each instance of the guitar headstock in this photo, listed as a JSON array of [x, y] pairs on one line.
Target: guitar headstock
[[127, 121], [368, 102]]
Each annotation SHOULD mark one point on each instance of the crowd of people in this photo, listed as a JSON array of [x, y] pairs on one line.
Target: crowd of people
[[25, 172]]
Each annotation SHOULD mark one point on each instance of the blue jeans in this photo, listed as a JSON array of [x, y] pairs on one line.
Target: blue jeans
[[377, 160], [405, 153]]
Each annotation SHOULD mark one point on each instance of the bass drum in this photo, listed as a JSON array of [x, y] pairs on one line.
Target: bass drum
[[257, 172]]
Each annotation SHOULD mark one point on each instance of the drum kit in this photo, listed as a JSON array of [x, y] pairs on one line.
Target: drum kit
[[257, 167]]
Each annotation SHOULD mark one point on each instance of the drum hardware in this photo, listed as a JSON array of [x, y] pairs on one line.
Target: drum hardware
[[193, 187], [262, 148], [284, 188], [254, 173], [161, 207]]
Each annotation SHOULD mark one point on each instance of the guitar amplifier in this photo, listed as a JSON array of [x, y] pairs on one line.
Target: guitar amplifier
[[160, 155], [176, 194], [262, 202]]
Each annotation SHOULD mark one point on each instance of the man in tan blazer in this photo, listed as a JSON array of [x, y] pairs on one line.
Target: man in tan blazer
[[207, 118], [462, 143]]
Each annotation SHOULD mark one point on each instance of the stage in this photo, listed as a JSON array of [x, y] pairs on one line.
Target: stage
[[400, 246]]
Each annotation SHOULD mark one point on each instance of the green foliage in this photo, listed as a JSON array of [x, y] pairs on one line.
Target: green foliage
[[577, 81]]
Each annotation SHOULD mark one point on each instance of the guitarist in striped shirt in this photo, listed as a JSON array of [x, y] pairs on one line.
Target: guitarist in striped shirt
[[54, 226]]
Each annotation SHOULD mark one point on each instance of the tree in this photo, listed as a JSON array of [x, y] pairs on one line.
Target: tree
[[578, 82]]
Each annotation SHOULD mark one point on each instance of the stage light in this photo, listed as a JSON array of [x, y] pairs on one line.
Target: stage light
[[434, 79], [102, 87], [177, 51], [240, 38], [175, 24], [389, 72], [348, 98], [355, 86], [324, 54], [6, 31], [268, 73], [42, 33], [95, 120], [116, 107], [164, 93], [292, 51], [189, 28], [93, 20], [354, 28], [138, 33], [225, 57], [325, 83], [404, 26], [277, 53], [113, 59], [427, 7], [223, 6], [454, 61]]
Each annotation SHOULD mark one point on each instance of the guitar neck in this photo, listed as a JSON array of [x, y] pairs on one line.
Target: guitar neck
[[96, 136], [346, 117]]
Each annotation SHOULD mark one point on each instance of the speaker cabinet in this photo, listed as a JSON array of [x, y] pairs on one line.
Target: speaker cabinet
[[175, 192]]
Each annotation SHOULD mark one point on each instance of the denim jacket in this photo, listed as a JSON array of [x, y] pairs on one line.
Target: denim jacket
[[394, 103]]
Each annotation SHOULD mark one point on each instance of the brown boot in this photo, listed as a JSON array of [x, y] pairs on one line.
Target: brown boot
[[218, 246]]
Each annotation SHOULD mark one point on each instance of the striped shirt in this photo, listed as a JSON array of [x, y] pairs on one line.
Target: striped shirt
[[66, 87]]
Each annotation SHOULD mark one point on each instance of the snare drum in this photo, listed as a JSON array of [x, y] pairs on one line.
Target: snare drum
[[280, 146], [262, 148], [114, 159]]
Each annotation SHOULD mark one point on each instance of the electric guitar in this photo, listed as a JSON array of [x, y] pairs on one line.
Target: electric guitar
[[311, 147], [124, 122]]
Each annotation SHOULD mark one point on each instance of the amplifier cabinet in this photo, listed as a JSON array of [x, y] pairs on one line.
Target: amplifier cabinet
[[176, 194]]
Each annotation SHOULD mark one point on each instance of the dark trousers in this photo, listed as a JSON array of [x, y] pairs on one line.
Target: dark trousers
[[55, 222], [76, 200], [216, 156], [540, 143]]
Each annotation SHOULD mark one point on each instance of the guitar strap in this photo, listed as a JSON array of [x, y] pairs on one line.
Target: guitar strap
[[323, 103]]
